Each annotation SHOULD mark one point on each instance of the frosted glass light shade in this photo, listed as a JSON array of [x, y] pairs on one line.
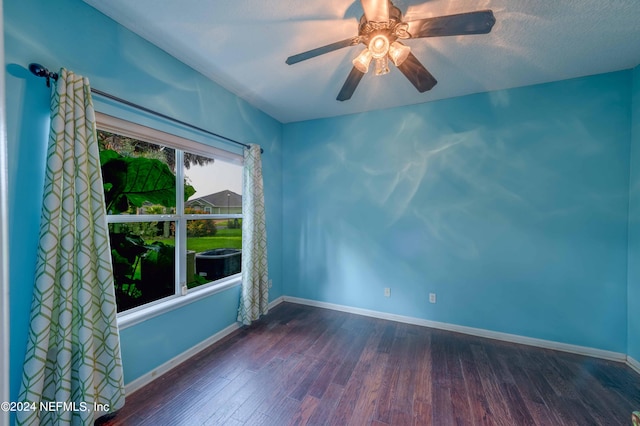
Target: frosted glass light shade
[[398, 53], [362, 61]]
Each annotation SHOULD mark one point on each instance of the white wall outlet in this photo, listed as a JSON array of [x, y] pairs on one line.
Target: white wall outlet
[[432, 298], [387, 292]]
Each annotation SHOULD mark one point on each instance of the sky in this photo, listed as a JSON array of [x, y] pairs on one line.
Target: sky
[[215, 177]]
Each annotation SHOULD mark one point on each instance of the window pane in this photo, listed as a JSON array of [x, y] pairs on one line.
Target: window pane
[[213, 250], [143, 257], [217, 185], [139, 177]]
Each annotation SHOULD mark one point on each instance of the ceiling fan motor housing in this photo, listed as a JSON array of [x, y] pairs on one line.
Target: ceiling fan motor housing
[[392, 29]]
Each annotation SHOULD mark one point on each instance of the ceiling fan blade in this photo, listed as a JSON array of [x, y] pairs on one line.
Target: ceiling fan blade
[[417, 74], [376, 10], [480, 22], [350, 85], [322, 50]]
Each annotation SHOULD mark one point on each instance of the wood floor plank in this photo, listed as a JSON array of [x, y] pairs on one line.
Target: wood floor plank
[[442, 376], [333, 349], [371, 368], [442, 413], [246, 395], [305, 365], [480, 409], [312, 375], [327, 405], [325, 342], [307, 407], [591, 393], [283, 410], [403, 391], [386, 340], [389, 383], [262, 388], [343, 412], [350, 359], [324, 379], [458, 391], [535, 403], [491, 383], [275, 390], [181, 411]]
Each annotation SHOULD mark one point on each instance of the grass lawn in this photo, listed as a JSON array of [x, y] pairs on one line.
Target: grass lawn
[[224, 238]]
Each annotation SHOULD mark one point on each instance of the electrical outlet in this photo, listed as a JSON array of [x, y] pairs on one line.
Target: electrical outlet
[[432, 298], [387, 292]]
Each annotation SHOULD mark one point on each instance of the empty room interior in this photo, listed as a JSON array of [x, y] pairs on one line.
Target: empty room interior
[[307, 212]]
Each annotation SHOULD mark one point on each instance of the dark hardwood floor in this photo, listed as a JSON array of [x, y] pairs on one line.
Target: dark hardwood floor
[[305, 365]]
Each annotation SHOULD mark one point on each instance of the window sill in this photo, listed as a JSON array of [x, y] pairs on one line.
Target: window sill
[[128, 319]]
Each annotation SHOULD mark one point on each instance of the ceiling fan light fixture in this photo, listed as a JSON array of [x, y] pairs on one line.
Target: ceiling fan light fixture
[[398, 53], [382, 66], [379, 46], [363, 60], [382, 29]]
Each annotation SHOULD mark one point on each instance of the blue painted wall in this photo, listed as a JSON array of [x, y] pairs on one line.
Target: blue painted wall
[[633, 337], [511, 206], [71, 34]]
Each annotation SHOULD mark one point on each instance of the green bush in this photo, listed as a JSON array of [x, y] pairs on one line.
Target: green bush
[[234, 223], [200, 227]]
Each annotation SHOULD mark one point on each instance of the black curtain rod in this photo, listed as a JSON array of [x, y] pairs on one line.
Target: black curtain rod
[[41, 71]]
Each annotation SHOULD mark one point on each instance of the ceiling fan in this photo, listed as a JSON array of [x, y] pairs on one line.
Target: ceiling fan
[[381, 27]]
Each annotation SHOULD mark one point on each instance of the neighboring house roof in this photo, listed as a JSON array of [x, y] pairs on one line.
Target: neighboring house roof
[[219, 199]]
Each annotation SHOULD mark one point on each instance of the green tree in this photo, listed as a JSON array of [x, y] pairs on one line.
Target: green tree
[[130, 147], [133, 181]]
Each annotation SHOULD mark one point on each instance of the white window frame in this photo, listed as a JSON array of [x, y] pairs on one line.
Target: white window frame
[[181, 296]]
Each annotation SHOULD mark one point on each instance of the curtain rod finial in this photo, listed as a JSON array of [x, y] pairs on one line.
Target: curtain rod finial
[[40, 71]]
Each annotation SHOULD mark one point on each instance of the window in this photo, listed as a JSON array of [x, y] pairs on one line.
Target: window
[[174, 209]]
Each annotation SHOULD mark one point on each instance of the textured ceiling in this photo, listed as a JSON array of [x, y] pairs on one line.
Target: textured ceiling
[[242, 45]]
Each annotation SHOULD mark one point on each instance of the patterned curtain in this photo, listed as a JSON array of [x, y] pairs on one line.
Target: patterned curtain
[[73, 362], [254, 300]]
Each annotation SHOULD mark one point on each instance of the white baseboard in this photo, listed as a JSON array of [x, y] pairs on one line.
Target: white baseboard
[[173, 362], [276, 302], [635, 365], [506, 337]]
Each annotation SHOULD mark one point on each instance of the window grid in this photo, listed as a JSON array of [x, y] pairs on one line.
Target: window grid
[[179, 218]]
